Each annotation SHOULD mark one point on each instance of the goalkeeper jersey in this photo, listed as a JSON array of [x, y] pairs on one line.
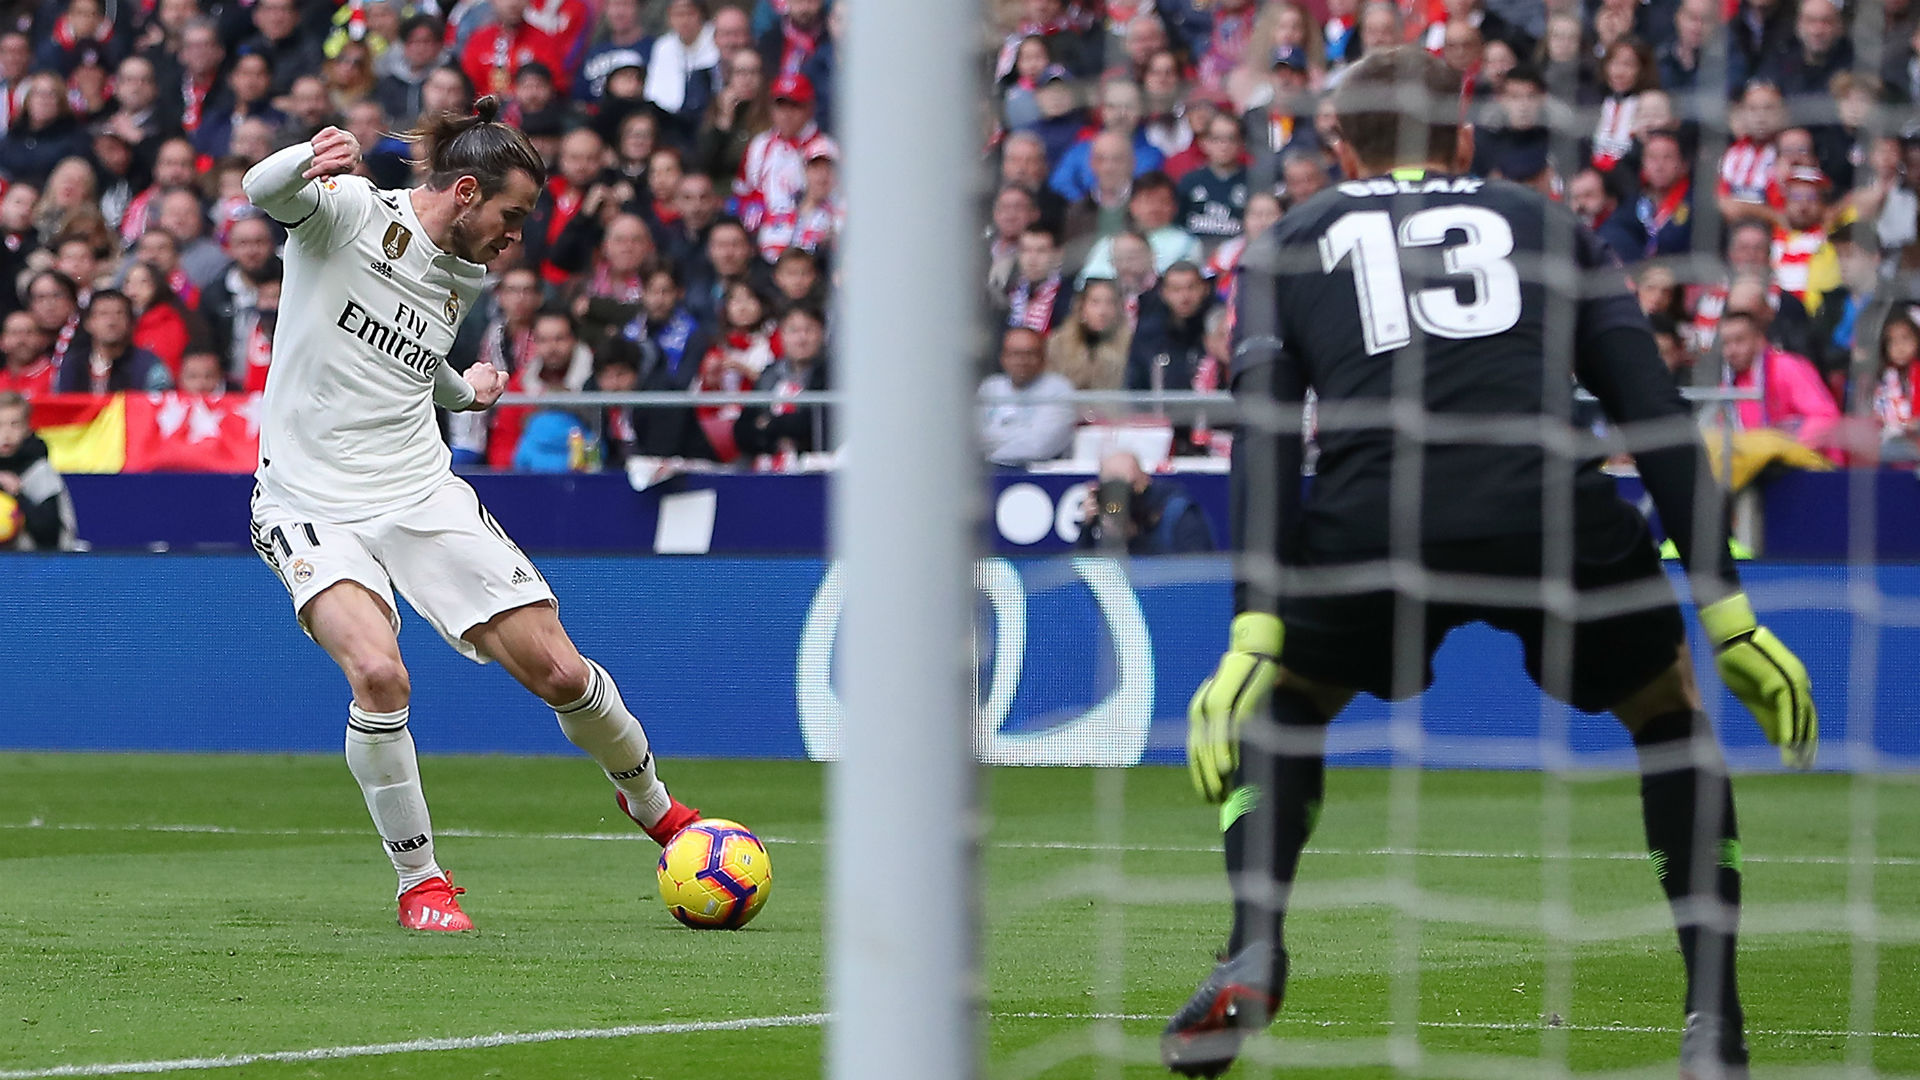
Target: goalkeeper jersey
[[1443, 322]]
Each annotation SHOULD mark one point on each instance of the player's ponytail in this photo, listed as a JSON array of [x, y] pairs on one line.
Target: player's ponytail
[[476, 145]]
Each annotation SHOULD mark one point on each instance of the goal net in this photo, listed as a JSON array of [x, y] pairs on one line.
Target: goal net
[[1477, 898]]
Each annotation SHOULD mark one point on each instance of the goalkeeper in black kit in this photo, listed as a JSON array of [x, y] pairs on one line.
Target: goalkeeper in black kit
[[1442, 320]]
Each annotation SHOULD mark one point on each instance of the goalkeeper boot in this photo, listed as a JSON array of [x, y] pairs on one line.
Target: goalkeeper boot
[[1713, 1048], [430, 905], [1237, 999], [678, 816]]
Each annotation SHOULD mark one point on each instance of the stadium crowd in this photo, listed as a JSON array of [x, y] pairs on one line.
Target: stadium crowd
[[1753, 165]]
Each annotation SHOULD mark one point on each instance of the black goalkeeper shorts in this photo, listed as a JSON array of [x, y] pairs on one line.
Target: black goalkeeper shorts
[[1626, 627]]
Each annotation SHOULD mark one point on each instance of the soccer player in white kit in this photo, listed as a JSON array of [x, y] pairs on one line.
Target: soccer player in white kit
[[355, 495]]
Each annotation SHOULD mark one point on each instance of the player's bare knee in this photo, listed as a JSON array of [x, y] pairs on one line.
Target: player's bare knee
[[1671, 691], [1327, 700], [563, 679], [380, 682]]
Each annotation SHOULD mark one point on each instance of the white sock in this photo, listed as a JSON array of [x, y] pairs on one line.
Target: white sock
[[600, 724], [381, 757]]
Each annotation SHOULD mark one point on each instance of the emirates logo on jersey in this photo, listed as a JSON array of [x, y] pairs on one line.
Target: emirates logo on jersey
[[452, 308], [396, 241]]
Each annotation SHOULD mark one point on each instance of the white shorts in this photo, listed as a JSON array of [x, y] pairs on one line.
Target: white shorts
[[445, 554]]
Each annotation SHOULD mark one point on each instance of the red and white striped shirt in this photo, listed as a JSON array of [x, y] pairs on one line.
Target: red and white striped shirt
[[804, 227], [1746, 171], [1793, 252], [133, 222], [773, 175]]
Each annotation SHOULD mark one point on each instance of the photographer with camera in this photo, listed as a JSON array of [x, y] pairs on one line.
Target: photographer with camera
[[1146, 515]]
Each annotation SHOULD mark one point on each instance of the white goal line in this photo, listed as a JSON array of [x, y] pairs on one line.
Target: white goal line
[[1005, 845], [758, 1023]]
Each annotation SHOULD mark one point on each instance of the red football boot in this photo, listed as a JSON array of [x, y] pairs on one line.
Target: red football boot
[[678, 816], [430, 905]]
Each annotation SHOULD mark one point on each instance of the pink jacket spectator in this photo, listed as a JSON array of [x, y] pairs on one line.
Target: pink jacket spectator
[[1793, 398]]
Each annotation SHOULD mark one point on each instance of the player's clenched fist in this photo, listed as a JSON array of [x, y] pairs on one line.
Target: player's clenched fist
[[1236, 690], [488, 384], [334, 152], [1767, 678]]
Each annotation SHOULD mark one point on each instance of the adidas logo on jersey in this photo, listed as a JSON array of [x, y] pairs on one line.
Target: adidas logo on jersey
[[383, 269], [521, 577]]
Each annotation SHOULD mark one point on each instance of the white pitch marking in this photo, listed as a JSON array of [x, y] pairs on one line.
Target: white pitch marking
[[1008, 845], [415, 1046], [485, 1042]]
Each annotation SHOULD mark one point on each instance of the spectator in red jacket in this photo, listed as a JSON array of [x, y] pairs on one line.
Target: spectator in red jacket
[[161, 322], [567, 23], [495, 52]]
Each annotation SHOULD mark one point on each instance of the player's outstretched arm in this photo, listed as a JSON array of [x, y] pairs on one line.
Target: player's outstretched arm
[[1264, 501], [1617, 361], [280, 183]]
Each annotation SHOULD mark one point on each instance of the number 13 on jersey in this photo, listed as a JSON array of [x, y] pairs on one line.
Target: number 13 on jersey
[[1387, 313]]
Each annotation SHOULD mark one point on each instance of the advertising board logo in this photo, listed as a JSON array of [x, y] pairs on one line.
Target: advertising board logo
[[1111, 731]]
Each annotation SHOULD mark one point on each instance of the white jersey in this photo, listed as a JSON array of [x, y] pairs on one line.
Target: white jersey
[[368, 311]]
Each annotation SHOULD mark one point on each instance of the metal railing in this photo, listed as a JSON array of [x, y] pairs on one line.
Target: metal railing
[[1172, 402]]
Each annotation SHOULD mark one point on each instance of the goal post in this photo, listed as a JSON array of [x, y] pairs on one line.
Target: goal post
[[901, 971]]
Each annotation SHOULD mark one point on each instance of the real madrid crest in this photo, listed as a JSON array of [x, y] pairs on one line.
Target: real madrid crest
[[453, 307], [396, 241]]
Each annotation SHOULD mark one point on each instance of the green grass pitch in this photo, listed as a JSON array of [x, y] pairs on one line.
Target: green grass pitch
[[160, 908]]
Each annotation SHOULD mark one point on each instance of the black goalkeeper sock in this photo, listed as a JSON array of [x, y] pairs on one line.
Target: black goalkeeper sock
[[1269, 816], [1687, 805]]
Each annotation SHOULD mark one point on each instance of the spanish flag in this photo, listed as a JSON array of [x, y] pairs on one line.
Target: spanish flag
[[83, 434]]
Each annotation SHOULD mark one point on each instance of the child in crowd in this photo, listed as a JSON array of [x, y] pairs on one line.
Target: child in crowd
[[37, 513]]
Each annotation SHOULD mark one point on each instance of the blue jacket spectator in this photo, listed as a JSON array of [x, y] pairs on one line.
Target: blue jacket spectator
[[45, 133], [1819, 51], [620, 40], [1759, 31], [546, 443], [1120, 107], [1660, 221], [80, 36], [1170, 341], [1073, 178]]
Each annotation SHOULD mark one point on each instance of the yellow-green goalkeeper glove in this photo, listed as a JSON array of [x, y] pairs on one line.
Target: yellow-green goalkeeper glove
[[1236, 690], [1765, 675]]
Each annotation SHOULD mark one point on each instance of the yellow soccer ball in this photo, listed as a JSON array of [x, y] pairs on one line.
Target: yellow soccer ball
[[11, 519], [715, 875]]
